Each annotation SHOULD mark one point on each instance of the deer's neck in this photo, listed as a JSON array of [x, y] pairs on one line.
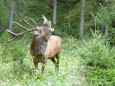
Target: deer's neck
[[38, 46]]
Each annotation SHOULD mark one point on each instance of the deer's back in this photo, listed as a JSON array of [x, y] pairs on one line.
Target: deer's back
[[53, 46]]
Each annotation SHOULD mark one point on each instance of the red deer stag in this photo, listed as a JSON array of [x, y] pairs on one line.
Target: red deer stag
[[44, 46]]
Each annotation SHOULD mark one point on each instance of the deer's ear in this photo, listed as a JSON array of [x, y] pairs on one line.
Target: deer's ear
[[51, 29]]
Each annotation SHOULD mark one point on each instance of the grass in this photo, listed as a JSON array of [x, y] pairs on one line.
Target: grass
[[17, 69], [82, 63]]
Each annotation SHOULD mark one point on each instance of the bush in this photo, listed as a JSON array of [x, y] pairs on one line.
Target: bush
[[98, 61], [14, 53], [111, 36]]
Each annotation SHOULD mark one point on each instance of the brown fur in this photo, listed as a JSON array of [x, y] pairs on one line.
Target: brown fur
[[46, 47]]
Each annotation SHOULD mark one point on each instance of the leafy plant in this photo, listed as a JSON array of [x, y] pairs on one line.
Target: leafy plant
[[98, 60]]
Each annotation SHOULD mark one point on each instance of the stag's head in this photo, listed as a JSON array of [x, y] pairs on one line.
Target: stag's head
[[42, 33], [38, 32]]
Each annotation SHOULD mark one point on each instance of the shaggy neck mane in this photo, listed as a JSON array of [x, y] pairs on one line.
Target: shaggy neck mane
[[38, 46]]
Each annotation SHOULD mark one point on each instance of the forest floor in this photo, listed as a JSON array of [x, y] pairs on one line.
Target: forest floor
[[17, 73]]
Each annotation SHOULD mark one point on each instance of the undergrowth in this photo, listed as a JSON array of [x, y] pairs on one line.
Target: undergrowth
[[16, 65], [88, 62], [98, 59]]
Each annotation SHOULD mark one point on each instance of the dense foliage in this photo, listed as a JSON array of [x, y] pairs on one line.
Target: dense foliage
[[99, 60], [88, 61]]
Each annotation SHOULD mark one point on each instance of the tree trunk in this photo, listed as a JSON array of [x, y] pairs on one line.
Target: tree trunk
[[81, 32], [54, 12], [106, 29], [11, 16], [106, 25], [0, 27]]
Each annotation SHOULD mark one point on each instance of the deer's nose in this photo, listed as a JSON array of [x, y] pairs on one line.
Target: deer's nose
[[36, 33]]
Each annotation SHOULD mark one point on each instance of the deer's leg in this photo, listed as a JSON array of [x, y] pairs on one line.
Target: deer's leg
[[43, 66], [35, 63], [54, 61], [57, 63]]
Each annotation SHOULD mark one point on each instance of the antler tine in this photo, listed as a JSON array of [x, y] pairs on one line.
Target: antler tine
[[49, 24], [11, 40], [20, 25], [15, 35], [45, 19], [28, 23], [32, 21]]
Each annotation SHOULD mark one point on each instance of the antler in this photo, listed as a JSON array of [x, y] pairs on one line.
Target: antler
[[47, 23], [16, 35], [32, 21], [28, 23], [20, 25], [50, 28]]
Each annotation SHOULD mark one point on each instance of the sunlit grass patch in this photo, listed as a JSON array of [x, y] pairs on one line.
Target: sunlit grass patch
[[18, 68]]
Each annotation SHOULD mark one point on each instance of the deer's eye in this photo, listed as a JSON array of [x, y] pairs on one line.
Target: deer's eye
[[38, 31]]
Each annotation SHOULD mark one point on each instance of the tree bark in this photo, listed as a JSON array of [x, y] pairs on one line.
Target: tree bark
[[55, 11], [0, 27], [81, 32], [11, 16], [106, 29]]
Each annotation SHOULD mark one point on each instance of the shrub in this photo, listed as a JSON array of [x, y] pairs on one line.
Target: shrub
[[14, 53], [111, 36], [98, 61]]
